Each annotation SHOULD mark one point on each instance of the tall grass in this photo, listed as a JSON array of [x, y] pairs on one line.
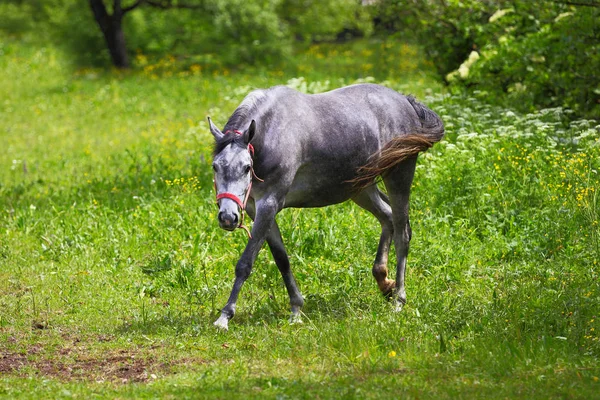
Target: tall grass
[[109, 244]]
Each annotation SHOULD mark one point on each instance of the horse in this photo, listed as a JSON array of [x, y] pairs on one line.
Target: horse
[[281, 148]]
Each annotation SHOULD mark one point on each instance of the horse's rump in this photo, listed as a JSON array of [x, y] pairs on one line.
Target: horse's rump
[[402, 147]]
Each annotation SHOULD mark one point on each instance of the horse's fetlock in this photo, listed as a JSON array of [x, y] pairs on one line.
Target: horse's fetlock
[[380, 272], [401, 296], [228, 311], [297, 302]]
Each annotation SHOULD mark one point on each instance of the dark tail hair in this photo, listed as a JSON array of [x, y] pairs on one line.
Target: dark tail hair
[[402, 147]]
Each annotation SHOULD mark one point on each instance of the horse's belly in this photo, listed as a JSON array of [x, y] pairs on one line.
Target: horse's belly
[[324, 179], [318, 192]]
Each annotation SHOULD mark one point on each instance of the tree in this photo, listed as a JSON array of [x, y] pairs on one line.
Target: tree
[[111, 25]]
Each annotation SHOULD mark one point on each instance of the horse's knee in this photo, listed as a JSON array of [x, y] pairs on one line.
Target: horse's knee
[[283, 264], [242, 270]]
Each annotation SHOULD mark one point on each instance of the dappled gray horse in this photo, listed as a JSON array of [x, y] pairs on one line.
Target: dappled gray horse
[[281, 148]]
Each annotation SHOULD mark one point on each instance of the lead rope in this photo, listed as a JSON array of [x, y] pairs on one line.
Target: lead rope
[[234, 197]]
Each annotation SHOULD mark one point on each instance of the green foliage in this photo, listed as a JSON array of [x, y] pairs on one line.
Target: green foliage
[[516, 53], [19, 17], [224, 32], [533, 54], [448, 30], [255, 32], [313, 20], [113, 266], [555, 65]]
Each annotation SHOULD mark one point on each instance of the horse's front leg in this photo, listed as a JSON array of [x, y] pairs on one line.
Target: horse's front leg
[[277, 248], [275, 242], [266, 209]]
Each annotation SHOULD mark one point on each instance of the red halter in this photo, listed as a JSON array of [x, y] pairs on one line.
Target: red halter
[[231, 196]]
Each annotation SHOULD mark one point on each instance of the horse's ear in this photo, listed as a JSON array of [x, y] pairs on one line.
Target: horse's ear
[[249, 134], [214, 130]]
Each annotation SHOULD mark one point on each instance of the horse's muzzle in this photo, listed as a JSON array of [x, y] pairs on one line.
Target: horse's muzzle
[[228, 221]]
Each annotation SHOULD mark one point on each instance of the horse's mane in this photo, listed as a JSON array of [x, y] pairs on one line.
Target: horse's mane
[[239, 120], [245, 110]]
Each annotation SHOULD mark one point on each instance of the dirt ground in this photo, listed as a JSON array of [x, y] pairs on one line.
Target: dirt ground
[[79, 361]]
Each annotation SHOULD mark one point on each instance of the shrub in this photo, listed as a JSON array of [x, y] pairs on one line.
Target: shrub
[[533, 54], [557, 65]]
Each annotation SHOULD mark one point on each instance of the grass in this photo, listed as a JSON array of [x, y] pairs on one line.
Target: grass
[[113, 267]]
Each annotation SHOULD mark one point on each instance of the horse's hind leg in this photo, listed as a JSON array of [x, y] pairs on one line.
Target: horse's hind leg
[[398, 182], [283, 263], [376, 202]]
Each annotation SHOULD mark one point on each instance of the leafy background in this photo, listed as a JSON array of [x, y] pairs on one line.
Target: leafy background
[[113, 267]]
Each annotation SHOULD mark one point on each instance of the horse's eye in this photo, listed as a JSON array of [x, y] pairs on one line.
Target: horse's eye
[[214, 168], [247, 169]]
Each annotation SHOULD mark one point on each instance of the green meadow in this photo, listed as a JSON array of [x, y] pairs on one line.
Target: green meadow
[[113, 267]]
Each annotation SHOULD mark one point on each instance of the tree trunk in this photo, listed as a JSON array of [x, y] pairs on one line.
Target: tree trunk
[[112, 29], [116, 46]]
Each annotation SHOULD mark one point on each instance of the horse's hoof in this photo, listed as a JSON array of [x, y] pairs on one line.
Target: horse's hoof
[[398, 306], [295, 319], [222, 323], [387, 288]]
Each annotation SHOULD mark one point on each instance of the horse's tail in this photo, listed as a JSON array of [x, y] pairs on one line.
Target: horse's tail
[[402, 147]]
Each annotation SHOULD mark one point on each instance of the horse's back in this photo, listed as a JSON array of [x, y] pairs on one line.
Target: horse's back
[[359, 107], [352, 122]]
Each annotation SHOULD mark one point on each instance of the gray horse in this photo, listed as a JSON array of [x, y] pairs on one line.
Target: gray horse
[[313, 151]]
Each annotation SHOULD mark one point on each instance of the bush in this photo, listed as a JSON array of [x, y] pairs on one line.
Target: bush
[[557, 65], [533, 54], [313, 20]]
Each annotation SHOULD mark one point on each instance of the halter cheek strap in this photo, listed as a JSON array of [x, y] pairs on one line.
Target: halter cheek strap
[[231, 196]]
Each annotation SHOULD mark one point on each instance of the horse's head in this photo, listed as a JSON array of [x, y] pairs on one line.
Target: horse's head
[[232, 165]]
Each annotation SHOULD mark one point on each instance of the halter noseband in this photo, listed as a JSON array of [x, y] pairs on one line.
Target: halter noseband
[[241, 204]]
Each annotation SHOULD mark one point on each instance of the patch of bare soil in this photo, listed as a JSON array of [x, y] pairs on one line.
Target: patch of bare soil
[[12, 362], [79, 363]]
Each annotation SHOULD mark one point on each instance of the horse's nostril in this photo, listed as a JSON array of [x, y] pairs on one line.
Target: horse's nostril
[[227, 219]]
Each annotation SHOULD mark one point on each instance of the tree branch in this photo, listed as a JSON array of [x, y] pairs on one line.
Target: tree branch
[[577, 3], [133, 6], [166, 4]]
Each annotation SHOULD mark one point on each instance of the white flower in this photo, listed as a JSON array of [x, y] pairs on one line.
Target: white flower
[[562, 15], [499, 14], [463, 70]]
